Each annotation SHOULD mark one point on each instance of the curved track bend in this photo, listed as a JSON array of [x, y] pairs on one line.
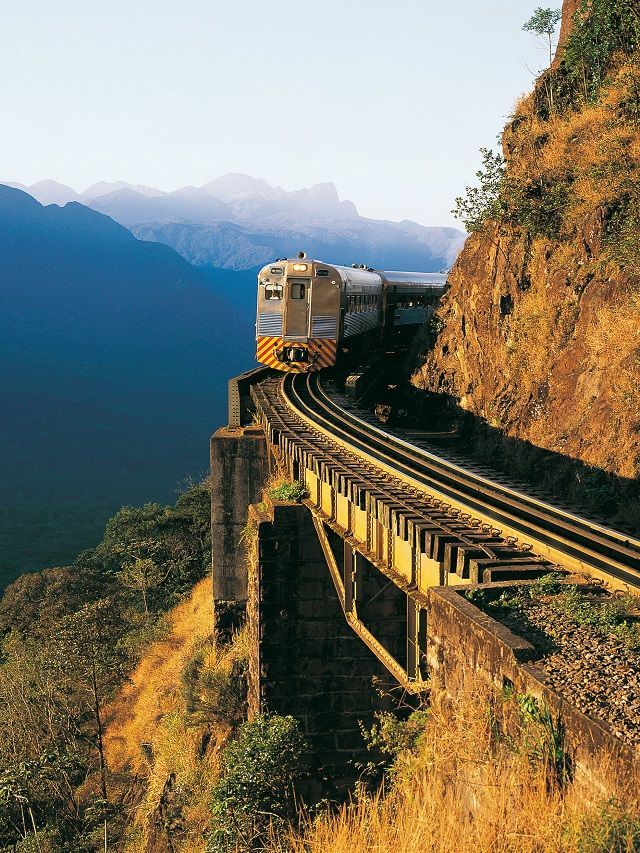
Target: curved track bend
[[583, 543]]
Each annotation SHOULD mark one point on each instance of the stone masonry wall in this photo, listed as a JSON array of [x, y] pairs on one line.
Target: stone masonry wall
[[239, 471], [462, 640], [305, 660]]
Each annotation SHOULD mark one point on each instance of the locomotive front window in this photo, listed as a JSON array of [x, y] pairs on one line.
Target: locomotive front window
[[297, 290], [273, 291]]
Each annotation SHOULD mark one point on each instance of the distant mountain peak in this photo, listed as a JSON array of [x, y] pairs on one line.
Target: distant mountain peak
[[238, 185], [52, 192], [107, 187]]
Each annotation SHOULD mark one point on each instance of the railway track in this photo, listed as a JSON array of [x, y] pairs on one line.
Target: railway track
[[565, 537]]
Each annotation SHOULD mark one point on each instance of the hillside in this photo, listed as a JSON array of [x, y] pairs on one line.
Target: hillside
[[238, 222], [539, 333], [115, 370]]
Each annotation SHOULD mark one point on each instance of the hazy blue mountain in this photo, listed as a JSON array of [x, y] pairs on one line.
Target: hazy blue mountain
[[115, 359], [48, 192], [237, 247], [53, 192], [239, 222], [104, 187]]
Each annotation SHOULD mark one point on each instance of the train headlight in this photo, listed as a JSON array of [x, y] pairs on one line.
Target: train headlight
[[300, 267]]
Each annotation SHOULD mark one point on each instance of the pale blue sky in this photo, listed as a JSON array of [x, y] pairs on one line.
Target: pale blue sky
[[389, 100]]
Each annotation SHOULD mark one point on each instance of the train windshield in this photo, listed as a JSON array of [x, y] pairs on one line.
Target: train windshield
[[273, 291], [298, 290]]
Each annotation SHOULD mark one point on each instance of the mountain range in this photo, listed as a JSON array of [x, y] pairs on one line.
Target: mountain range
[[115, 359], [238, 222]]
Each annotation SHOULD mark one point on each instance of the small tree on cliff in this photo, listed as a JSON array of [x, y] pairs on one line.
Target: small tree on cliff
[[143, 574], [543, 23], [481, 204]]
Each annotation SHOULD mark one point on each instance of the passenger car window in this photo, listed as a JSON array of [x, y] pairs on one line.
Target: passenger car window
[[297, 290], [273, 291]]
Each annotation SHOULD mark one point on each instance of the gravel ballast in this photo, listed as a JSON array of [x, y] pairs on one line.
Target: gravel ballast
[[598, 673]]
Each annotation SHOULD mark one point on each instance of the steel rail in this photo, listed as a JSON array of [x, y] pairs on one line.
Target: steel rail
[[592, 544]]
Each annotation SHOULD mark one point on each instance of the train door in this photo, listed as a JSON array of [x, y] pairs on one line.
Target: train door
[[296, 318]]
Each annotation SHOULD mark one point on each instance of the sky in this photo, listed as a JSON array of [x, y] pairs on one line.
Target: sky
[[390, 101]]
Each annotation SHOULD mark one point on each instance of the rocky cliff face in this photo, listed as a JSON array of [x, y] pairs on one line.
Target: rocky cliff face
[[540, 329]]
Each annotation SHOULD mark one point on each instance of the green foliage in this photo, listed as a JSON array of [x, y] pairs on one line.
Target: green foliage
[[536, 206], [543, 23], [391, 736], [143, 574], [46, 840], [608, 617], [546, 585], [177, 539], [630, 104], [610, 828], [545, 738], [51, 701], [249, 535], [603, 32], [142, 632], [295, 492], [481, 204], [476, 596], [71, 636], [256, 793], [622, 233]]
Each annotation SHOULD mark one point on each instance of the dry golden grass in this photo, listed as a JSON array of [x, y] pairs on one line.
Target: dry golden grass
[[466, 790], [593, 147], [614, 339], [154, 689], [151, 735]]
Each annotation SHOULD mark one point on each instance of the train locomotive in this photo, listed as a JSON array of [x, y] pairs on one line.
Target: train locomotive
[[311, 313]]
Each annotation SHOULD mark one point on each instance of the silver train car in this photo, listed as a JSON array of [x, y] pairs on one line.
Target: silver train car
[[310, 311]]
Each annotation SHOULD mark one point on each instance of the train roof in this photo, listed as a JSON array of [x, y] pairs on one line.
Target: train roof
[[398, 277], [359, 274]]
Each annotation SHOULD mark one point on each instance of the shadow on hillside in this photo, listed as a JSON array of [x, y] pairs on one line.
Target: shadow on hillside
[[563, 478]]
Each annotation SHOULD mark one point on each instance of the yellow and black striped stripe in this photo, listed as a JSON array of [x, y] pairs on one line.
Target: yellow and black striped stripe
[[322, 353]]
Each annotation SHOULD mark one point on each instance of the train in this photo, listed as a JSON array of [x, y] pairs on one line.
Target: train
[[310, 314]]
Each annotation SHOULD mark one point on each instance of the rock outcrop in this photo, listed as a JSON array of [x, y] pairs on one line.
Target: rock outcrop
[[540, 331]]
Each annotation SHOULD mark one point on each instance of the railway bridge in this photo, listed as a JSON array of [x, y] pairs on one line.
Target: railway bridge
[[361, 581]]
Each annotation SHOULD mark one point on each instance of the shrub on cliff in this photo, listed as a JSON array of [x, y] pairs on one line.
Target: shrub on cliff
[[214, 684], [256, 796], [481, 204]]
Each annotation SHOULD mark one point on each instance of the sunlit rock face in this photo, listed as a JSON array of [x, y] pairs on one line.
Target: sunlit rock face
[[540, 334]]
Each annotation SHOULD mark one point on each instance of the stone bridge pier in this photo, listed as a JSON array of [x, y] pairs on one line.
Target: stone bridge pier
[[305, 659]]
